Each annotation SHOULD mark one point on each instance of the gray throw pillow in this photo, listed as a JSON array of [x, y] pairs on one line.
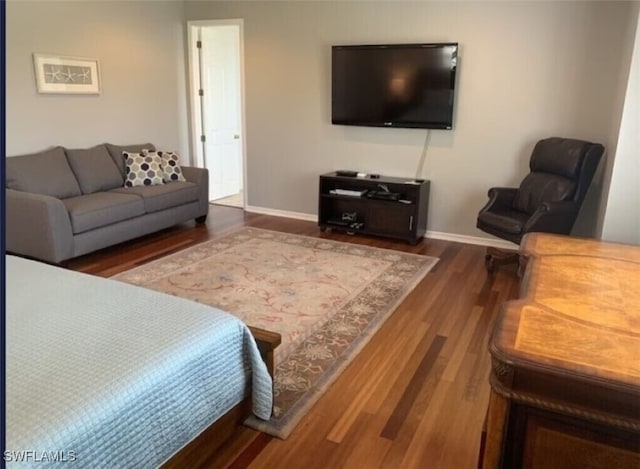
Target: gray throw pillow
[[116, 152], [46, 173], [94, 169]]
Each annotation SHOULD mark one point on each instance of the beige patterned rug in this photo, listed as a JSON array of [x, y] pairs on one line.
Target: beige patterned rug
[[325, 298]]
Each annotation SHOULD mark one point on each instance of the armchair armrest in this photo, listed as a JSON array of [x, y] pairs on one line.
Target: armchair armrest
[[38, 226], [199, 176], [500, 197], [553, 217]]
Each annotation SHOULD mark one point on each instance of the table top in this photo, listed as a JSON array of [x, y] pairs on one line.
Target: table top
[[578, 312]]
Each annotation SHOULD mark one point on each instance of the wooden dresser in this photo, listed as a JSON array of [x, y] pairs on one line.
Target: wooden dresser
[[565, 378]]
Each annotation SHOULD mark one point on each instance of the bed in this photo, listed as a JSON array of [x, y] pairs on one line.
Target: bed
[[107, 374]]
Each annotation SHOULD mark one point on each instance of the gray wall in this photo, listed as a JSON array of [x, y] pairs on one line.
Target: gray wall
[[139, 46], [527, 70]]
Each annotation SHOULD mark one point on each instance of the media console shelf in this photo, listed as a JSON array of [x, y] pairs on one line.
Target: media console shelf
[[360, 210]]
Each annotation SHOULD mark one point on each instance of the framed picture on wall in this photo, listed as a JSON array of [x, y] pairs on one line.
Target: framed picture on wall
[[69, 75]]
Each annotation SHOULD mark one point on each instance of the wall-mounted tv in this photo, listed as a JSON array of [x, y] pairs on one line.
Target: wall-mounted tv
[[394, 85]]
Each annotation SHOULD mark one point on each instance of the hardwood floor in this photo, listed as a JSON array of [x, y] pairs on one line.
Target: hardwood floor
[[415, 397]]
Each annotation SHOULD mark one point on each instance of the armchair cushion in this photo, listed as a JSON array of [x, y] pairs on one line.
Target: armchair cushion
[[538, 187], [508, 221], [561, 156]]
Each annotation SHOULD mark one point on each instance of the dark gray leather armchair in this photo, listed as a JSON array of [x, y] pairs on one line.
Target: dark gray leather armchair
[[549, 197]]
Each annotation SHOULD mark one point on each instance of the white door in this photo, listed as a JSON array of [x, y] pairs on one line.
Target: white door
[[221, 107]]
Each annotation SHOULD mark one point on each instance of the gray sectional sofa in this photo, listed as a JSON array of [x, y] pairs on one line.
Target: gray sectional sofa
[[62, 203]]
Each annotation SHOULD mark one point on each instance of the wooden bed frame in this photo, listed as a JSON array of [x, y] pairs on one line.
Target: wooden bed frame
[[195, 453]]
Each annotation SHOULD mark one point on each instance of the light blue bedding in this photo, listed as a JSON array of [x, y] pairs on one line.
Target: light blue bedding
[[112, 375]]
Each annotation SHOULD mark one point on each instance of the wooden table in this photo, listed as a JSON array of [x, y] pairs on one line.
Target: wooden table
[[565, 373]]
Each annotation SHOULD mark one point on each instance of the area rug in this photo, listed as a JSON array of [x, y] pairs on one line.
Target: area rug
[[326, 299]]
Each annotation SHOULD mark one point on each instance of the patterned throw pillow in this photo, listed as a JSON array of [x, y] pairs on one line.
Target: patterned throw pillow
[[171, 171], [142, 169]]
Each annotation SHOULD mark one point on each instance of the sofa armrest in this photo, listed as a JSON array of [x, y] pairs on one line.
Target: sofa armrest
[[199, 176], [38, 226]]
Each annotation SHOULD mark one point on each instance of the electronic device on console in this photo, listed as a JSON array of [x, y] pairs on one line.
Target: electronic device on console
[[346, 172], [383, 194]]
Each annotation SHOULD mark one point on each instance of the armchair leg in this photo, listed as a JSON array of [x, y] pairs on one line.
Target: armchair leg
[[498, 257]]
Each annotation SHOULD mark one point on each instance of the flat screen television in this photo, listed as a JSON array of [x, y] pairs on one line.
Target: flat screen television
[[394, 85]]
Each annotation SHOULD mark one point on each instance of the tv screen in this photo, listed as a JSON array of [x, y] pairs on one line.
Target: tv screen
[[394, 85]]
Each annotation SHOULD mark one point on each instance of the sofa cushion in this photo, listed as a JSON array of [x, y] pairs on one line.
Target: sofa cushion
[[95, 169], [142, 169], [116, 152], [46, 173], [91, 211], [171, 171], [158, 198]]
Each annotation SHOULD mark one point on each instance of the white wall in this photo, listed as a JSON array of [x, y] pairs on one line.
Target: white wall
[[622, 217], [528, 70], [139, 46]]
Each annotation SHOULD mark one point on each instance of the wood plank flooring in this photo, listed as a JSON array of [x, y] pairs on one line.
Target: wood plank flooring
[[415, 397]]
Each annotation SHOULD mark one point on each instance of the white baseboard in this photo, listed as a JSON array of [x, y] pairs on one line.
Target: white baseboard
[[496, 243], [281, 213]]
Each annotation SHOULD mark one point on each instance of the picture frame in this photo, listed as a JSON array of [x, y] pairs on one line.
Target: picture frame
[[66, 75]]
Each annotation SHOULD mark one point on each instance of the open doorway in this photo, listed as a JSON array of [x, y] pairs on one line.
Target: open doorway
[[217, 106]]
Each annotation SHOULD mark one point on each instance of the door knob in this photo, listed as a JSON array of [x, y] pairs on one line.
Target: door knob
[[236, 136]]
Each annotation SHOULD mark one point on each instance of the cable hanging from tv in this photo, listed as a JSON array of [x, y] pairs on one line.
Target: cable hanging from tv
[[423, 157]]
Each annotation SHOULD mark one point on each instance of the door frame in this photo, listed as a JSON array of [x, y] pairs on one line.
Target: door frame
[[194, 99]]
